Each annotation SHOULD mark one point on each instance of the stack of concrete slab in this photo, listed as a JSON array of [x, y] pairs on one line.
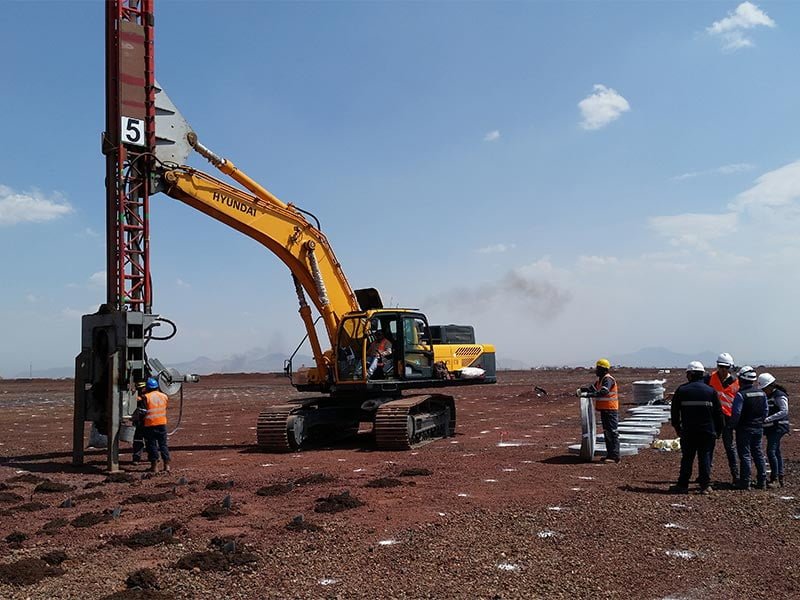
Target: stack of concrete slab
[[637, 430]]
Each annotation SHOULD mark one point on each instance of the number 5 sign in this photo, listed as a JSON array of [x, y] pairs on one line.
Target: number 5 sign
[[133, 131]]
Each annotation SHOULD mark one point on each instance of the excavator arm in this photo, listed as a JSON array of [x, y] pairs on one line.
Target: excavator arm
[[284, 230]]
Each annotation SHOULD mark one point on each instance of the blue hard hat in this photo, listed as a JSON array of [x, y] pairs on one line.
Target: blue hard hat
[[152, 383]]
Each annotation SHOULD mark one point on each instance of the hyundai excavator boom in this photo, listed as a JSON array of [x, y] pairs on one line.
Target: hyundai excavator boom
[[357, 390]]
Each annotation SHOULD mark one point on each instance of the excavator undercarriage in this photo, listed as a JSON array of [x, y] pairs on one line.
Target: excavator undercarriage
[[397, 424]]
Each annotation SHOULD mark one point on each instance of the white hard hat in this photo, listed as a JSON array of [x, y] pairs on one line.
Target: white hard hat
[[764, 380], [725, 360], [747, 373], [696, 365]]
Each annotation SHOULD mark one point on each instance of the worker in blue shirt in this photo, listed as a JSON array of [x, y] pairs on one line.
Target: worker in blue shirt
[[747, 418]]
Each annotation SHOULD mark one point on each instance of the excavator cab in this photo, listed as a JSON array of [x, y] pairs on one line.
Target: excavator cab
[[383, 346]]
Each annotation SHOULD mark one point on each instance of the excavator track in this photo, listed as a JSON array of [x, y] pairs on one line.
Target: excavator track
[[280, 428], [410, 422]]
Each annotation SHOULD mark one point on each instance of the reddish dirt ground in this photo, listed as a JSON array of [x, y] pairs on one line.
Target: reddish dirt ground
[[490, 521]]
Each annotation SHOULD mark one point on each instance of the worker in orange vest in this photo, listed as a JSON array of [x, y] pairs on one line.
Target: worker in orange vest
[[604, 390], [726, 385], [155, 425]]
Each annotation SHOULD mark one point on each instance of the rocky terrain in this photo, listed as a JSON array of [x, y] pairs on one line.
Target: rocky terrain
[[502, 510]]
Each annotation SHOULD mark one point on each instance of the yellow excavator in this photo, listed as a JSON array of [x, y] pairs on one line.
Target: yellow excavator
[[371, 353]]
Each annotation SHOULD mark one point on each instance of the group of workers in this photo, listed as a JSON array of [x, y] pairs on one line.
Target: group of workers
[[741, 409]]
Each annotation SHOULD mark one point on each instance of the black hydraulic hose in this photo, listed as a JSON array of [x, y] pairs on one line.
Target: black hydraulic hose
[[305, 212], [148, 333]]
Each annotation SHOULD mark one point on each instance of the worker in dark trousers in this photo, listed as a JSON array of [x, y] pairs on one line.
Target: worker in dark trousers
[[155, 425], [747, 417], [604, 391], [138, 421], [697, 418], [726, 385], [776, 425]]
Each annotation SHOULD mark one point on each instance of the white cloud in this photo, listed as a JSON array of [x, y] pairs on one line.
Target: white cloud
[[730, 30], [723, 170], [97, 279], [77, 313], [89, 233], [602, 107], [594, 262], [496, 248], [33, 299], [181, 283], [780, 187], [492, 136], [694, 229], [30, 207]]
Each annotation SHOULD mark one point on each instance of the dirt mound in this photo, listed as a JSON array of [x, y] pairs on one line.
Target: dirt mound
[[5, 486], [415, 473], [54, 525], [220, 485], [55, 557], [10, 498], [276, 489], [334, 503], [314, 479], [31, 507], [27, 478], [383, 482], [145, 539], [234, 550], [173, 524], [213, 512], [93, 484], [90, 496], [300, 524], [52, 487], [119, 477], [143, 579], [205, 561], [16, 537], [27, 571], [159, 497], [91, 519]]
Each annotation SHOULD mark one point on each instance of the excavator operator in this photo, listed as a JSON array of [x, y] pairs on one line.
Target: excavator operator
[[379, 350]]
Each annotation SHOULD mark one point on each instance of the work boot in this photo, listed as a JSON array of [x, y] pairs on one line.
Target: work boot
[[153, 466], [706, 491], [166, 466], [780, 480]]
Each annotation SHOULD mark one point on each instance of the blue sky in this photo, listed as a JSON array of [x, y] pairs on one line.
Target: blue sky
[[575, 179]]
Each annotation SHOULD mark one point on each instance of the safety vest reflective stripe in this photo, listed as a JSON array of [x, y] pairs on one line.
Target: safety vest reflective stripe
[[156, 413], [610, 402], [725, 394], [696, 403]]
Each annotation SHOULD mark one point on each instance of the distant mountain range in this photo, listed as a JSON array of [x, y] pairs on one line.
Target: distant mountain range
[[258, 360], [662, 358]]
